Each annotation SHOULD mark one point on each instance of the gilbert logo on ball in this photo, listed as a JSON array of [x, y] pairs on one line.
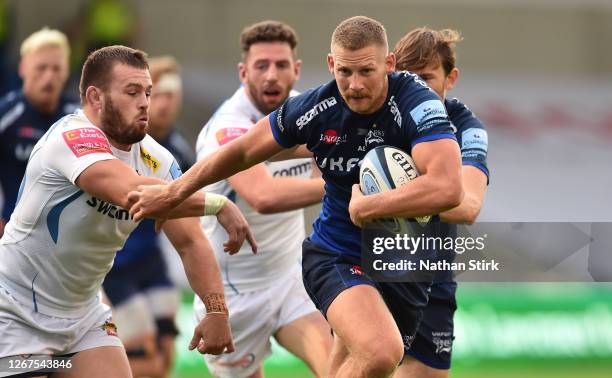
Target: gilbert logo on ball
[[385, 168]]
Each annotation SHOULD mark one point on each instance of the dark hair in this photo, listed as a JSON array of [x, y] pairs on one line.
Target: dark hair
[[267, 31], [424, 46], [358, 32], [100, 63]]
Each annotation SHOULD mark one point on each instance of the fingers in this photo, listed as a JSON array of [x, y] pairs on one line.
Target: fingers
[[231, 245], [230, 348], [133, 196], [195, 340], [251, 240]]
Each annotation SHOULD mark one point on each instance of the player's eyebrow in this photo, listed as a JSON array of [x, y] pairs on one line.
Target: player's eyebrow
[[136, 85]]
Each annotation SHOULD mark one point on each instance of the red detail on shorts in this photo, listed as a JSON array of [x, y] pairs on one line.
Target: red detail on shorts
[[86, 140], [356, 269], [229, 134]]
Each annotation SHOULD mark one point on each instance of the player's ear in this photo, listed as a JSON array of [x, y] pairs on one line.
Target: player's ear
[[390, 61], [451, 79], [297, 68], [21, 68], [242, 72], [93, 96], [330, 63]]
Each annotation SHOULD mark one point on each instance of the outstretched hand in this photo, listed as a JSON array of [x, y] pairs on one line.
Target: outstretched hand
[[237, 228]]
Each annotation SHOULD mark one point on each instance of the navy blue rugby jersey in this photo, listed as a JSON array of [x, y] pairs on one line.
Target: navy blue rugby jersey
[[471, 135], [473, 142], [339, 139], [21, 126]]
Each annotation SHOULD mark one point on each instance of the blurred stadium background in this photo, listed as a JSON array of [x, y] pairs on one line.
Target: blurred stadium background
[[537, 72]]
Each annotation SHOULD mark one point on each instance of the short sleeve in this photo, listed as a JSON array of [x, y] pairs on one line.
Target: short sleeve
[[472, 136], [289, 122], [221, 130], [426, 118], [71, 152]]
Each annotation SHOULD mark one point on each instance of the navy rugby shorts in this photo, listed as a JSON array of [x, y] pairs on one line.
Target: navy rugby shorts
[[327, 273]]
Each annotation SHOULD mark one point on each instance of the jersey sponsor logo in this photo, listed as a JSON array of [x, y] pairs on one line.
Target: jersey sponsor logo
[[30, 132], [338, 164], [108, 209], [428, 110], [296, 170], [149, 160], [397, 116], [475, 138], [330, 136], [318, 108], [86, 140], [228, 134]]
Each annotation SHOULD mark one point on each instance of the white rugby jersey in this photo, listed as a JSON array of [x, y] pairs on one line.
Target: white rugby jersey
[[279, 236], [60, 241]]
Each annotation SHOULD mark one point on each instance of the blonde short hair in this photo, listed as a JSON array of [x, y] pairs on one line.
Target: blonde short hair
[[42, 38]]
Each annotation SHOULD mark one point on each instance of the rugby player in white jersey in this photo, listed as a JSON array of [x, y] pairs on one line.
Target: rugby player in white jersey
[[70, 220], [265, 293]]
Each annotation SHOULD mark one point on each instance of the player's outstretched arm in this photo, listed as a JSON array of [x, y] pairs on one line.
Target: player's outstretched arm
[[257, 145], [212, 335], [267, 194], [437, 189], [112, 180], [475, 187]]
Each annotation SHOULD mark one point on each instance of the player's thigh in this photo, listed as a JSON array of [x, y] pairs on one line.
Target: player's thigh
[[308, 337], [134, 321], [413, 368], [102, 362], [361, 319], [301, 329]]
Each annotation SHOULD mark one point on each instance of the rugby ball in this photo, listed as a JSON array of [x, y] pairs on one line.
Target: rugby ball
[[385, 168]]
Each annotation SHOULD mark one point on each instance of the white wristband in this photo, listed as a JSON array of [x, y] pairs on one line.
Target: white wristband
[[213, 203]]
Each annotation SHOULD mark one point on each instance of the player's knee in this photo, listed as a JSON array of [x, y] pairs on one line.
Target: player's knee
[[382, 358]]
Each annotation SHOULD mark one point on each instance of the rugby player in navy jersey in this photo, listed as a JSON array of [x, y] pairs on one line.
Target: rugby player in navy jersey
[[367, 105], [26, 114], [431, 54]]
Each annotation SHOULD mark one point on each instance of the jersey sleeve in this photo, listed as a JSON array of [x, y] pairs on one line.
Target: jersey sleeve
[[425, 115], [220, 131], [71, 152], [289, 120], [471, 134]]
